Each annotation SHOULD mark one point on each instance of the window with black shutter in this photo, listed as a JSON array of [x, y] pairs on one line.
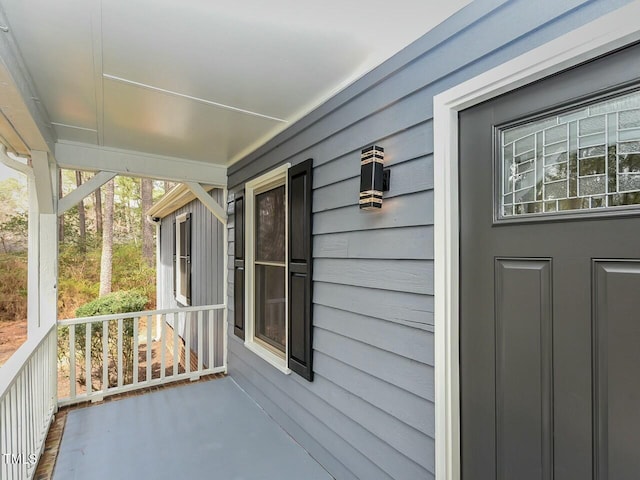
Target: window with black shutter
[[299, 272], [182, 255], [238, 266], [272, 268]]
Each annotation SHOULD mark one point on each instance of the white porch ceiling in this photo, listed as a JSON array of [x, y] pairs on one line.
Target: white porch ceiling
[[204, 80]]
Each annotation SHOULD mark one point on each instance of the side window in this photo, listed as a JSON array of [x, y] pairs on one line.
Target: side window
[[182, 267], [273, 306]]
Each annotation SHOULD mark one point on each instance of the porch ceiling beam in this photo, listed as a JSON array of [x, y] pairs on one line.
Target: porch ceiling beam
[[12, 163], [82, 156], [83, 191], [44, 186], [213, 206], [20, 104]]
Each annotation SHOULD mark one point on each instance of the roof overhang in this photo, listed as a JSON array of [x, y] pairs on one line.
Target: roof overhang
[[176, 198]]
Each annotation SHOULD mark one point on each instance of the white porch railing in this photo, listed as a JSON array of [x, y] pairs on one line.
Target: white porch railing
[[126, 358], [27, 404]]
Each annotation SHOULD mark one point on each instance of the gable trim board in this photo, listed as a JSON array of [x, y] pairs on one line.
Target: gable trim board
[[614, 31]]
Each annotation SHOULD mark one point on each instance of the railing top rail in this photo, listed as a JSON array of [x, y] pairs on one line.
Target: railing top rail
[[146, 313], [14, 365]]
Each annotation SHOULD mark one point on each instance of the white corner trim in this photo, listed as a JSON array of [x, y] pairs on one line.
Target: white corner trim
[[603, 35]]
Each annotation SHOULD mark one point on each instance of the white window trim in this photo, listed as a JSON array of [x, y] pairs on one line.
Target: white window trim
[[276, 176], [603, 35], [179, 297]]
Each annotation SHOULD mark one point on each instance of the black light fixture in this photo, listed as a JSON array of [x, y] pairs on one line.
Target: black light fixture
[[374, 178]]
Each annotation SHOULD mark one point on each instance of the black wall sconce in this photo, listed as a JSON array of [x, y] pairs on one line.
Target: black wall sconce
[[374, 178]]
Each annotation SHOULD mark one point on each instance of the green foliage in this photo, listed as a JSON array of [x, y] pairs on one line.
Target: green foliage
[[115, 302], [13, 232], [79, 275], [16, 224], [13, 286], [13, 196], [131, 271]]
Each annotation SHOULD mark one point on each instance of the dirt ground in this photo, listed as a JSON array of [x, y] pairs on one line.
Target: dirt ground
[[12, 334]]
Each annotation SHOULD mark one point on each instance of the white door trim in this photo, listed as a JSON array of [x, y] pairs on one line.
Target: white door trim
[[603, 35]]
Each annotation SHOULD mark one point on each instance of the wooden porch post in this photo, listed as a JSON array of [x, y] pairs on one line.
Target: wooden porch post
[[43, 243]]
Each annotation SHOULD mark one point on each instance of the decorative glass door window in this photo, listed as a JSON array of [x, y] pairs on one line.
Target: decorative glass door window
[[269, 265], [584, 158]]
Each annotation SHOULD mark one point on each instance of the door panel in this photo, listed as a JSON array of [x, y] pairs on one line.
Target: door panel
[[524, 388], [617, 352], [549, 337]]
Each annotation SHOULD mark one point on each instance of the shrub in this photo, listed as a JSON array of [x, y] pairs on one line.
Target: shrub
[[113, 303]]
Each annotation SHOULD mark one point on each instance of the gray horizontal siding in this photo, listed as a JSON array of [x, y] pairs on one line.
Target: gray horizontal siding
[[359, 245], [413, 276], [401, 404], [400, 307], [207, 270], [369, 413], [401, 340], [404, 211], [321, 418]]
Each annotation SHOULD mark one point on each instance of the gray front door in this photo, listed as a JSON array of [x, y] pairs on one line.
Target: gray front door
[[550, 278]]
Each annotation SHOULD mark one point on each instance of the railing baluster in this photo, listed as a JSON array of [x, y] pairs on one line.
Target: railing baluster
[[176, 354], [14, 421], [135, 349], [27, 383], [105, 356], [187, 348], [128, 376], [31, 421], [87, 357], [19, 419], [200, 353], [149, 347], [72, 361], [162, 346], [212, 337], [3, 441], [119, 352]]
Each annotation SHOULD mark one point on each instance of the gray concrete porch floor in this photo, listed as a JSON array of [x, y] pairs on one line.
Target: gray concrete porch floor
[[207, 430]]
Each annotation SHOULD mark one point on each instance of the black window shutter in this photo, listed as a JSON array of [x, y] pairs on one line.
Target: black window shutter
[[238, 266], [187, 242], [175, 264], [300, 269]]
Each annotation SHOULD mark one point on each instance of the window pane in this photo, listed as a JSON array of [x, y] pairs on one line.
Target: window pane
[[183, 276], [582, 159], [270, 305], [270, 218], [183, 236]]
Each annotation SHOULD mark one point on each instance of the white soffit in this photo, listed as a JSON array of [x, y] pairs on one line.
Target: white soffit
[[199, 79]]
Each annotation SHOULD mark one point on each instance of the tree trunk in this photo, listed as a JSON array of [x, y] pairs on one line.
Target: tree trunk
[[82, 224], [167, 186], [61, 217], [98, 205], [146, 192], [106, 261]]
